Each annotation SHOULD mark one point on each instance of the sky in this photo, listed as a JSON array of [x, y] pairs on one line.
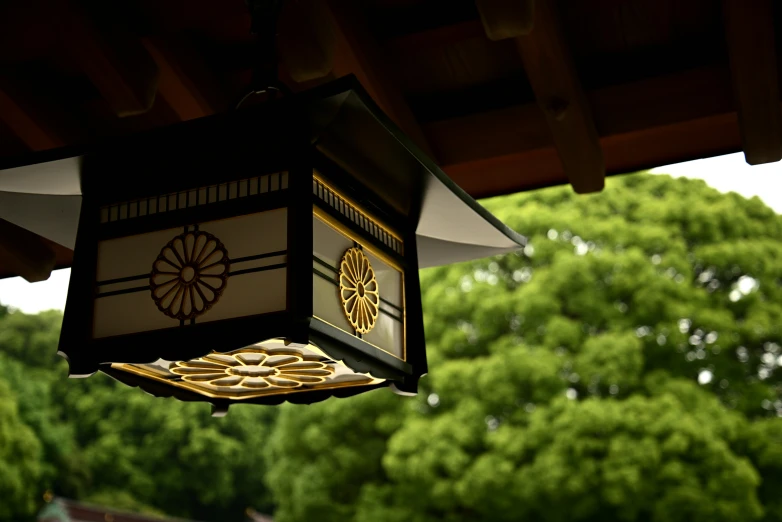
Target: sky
[[724, 173]]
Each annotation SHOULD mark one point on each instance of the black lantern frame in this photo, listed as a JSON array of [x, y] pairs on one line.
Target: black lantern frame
[[262, 188]]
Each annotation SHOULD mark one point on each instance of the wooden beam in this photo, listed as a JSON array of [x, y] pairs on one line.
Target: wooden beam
[[10, 143], [186, 83], [504, 19], [628, 152], [438, 37], [511, 149], [33, 131], [749, 31], [356, 52], [114, 60], [617, 110], [553, 78], [24, 253], [36, 112], [306, 44]]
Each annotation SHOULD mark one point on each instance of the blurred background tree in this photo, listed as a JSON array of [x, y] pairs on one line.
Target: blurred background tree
[[98, 441], [625, 366]]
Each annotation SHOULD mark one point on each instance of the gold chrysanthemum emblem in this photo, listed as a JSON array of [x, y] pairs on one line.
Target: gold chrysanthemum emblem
[[358, 290], [189, 275], [255, 369]]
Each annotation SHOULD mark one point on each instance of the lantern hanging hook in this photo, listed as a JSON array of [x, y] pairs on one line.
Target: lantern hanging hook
[[265, 15]]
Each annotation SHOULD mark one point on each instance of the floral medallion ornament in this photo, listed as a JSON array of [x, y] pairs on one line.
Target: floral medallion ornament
[[255, 369], [358, 290], [189, 275]]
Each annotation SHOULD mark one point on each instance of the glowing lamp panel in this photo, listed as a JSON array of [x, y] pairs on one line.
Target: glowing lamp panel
[[202, 272], [266, 368]]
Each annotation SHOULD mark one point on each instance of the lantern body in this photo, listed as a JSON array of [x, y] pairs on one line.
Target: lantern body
[[228, 261], [265, 255]]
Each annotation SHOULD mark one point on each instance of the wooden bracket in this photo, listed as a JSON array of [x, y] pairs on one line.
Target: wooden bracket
[[749, 32], [31, 130], [186, 83], [306, 40], [504, 19], [554, 80], [115, 61], [25, 253]]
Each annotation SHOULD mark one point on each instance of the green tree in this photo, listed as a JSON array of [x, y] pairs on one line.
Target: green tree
[[99, 441], [624, 367], [169, 455], [20, 461]]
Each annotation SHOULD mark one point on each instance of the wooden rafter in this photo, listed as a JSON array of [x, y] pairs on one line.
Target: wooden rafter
[[512, 149], [114, 60], [554, 80], [306, 43], [749, 31], [34, 132], [186, 83], [550, 71], [37, 112], [357, 52], [629, 152], [438, 37], [24, 253], [504, 19]]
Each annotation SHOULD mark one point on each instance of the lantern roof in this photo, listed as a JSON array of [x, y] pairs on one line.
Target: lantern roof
[[41, 192]]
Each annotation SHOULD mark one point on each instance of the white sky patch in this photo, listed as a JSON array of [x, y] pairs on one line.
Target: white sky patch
[[731, 173], [32, 298]]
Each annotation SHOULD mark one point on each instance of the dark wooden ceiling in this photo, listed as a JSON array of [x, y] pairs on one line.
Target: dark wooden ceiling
[[506, 95], [655, 75]]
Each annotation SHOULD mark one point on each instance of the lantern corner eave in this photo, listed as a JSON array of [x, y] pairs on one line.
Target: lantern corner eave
[[266, 255]]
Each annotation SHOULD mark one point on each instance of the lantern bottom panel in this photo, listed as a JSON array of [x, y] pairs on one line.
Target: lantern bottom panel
[[264, 369]]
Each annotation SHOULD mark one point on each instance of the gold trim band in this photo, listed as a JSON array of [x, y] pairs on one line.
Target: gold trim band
[[142, 372], [353, 236], [317, 177]]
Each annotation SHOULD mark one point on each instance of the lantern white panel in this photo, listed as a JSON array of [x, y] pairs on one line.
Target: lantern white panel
[[252, 281], [130, 256], [251, 235], [250, 294], [389, 330], [329, 246], [128, 313], [388, 333], [389, 279], [326, 304]]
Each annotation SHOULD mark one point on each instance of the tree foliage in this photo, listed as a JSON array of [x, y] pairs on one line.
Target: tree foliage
[[625, 366], [20, 460], [98, 441]]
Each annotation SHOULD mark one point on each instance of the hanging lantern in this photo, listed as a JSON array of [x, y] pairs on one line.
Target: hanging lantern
[[265, 255]]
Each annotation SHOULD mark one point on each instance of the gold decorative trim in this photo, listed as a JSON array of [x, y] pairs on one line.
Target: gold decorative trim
[[189, 275], [316, 175], [193, 197], [345, 231], [255, 371], [142, 372], [336, 225], [358, 290], [386, 350]]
